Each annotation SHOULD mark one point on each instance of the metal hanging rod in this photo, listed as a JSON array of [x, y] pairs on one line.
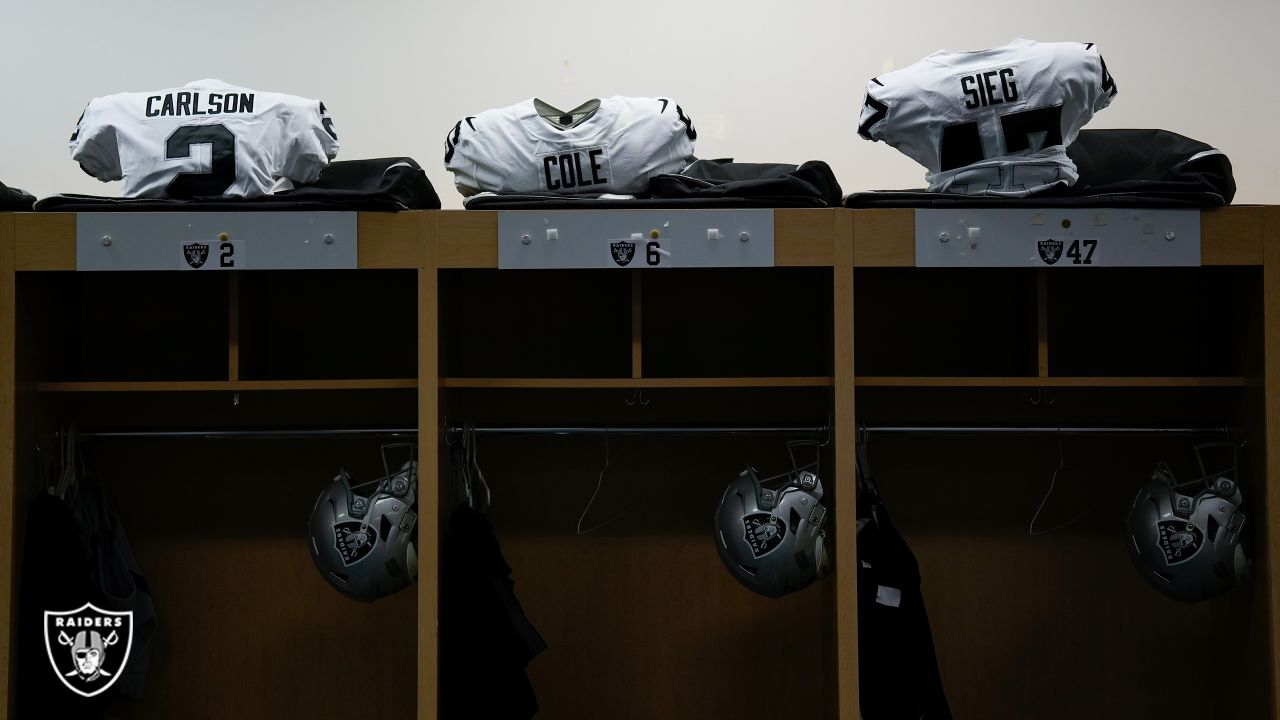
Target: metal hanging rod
[[1032, 430], [251, 434], [647, 430]]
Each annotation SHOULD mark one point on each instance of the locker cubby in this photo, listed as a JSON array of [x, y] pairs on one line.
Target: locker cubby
[[80, 327], [1155, 322], [735, 323], [640, 616], [514, 323], [219, 529], [320, 325], [944, 322]]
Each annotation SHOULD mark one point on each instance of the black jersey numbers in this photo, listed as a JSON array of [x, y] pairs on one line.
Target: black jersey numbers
[[222, 173], [961, 144], [327, 122]]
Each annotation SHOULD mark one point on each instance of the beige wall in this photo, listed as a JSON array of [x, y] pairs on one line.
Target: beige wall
[[764, 80]]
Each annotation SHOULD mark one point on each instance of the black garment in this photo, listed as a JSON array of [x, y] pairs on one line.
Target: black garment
[[704, 184], [897, 664], [1155, 163], [381, 184], [811, 184], [486, 642], [14, 200], [1117, 168]]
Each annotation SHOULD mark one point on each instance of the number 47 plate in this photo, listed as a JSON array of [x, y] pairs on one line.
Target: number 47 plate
[[1057, 238]]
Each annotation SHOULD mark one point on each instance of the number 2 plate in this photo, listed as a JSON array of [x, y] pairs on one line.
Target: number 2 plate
[[1057, 237]]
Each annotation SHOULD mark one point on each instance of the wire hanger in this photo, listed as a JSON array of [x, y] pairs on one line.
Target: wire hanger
[[594, 494]]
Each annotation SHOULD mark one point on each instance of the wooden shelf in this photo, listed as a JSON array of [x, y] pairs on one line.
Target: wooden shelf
[[1053, 382], [469, 238], [47, 241], [634, 383], [1228, 236], [225, 385]]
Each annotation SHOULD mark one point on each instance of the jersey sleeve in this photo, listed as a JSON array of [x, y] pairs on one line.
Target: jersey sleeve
[[1097, 81], [93, 144], [314, 142], [458, 159], [871, 125], [685, 134]]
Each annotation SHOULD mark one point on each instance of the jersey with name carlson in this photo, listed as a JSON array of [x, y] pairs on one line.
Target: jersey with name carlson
[[616, 150], [203, 139], [991, 122]]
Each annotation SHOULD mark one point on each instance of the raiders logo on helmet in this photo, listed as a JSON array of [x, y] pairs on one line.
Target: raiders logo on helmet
[[354, 540], [1179, 540], [1050, 251], [764, 533]]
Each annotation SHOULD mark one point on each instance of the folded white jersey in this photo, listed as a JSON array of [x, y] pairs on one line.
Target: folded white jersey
[[991, 122], [613, 146], [206, 138]]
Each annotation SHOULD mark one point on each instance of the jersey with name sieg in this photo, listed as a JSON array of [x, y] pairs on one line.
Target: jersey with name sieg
[[613, 150], [991, 122], [206, 138]]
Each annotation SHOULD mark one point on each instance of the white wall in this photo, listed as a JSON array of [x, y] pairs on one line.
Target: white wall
[[764, 80]]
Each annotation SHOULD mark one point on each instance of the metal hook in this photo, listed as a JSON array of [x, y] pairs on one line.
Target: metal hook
[[637, 398], [1043, 397]]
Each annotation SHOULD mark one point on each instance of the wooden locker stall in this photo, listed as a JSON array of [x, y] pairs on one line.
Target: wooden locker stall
[[217, 521], [1059, 624], [641, 618]]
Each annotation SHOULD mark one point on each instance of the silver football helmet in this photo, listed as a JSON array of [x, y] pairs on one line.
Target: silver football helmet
[[1185, 537], [772, 539], [364, 545]]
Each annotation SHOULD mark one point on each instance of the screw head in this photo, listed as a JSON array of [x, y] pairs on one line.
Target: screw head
[[944, 237], [1169, 235], [328, 239], [525, 239], [106, 240], [744, 237]]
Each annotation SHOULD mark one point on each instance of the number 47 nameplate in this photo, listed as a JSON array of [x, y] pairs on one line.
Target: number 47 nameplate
[[210, 241], [1057, 237]]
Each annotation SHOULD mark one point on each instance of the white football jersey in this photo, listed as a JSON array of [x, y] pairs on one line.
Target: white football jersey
[[205, 138], [614, 150], [991, 122]]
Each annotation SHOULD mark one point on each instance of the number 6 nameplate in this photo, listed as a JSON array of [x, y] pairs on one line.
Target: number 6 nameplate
[[634, 239], [205, 241], [1057, 237]]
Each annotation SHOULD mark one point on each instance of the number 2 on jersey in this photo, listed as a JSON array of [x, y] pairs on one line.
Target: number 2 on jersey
[[220, 176]]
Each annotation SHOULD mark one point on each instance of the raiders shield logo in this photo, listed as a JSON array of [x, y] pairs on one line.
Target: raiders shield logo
[[1179, 540], [764, 533], [196, 254], [88, 647], [353, 541], [623, 251], [1050, 251]]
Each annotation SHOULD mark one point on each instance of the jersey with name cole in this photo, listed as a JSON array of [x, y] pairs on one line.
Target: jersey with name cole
[[991, 122], [206, 138], [613, 145]]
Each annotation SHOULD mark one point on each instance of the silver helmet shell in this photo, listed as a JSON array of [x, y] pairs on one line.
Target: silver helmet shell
[[772, 540], [363, 545], [1187, 546]]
